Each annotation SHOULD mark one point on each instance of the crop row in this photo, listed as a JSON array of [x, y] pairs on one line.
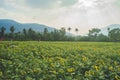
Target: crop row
[[59, 61]]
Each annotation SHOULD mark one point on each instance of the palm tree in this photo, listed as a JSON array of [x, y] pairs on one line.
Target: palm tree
[[45, 34], [108, 33], [108, 29], [69, 29], [63, 29], [12, 29], [19, 35], [76, 30], [2, 31], [62, 33], [24, 31]]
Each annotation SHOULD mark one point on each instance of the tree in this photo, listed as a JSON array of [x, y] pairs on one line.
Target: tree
[[24, 31], [25, 34], [83, 38], [93, 33], [108, 29], [56, 35], [45, 30], [62, 33], [19, 33], [45, 34], [2, 31], [102, 38], [69, 29], [12, 29], [108, 33], [76, 30], [31, 34], [114, 35]]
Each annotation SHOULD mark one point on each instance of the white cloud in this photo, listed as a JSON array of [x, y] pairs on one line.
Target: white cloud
[[84, 14], [47, 4]]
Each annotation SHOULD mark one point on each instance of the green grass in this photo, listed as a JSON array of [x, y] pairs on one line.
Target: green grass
[[59, 61]]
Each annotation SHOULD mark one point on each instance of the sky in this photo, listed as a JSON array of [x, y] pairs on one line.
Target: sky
[[81, 14]]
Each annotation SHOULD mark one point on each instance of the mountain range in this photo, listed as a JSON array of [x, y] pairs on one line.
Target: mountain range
[[112, 26], [7, 23]]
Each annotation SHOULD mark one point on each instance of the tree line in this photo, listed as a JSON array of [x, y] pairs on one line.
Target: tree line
[[58, 35]]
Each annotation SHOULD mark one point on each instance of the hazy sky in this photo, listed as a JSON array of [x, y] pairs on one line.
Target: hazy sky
[[81, 14]]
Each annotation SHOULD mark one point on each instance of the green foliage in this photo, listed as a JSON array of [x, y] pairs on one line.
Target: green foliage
[[59, 61], [31, 35], [12, 29], [2, 30], [102, 38], [93, 34], [59, 35], [114, 34]]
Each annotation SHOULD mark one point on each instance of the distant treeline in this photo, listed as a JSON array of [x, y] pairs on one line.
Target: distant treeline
[[58, 35]]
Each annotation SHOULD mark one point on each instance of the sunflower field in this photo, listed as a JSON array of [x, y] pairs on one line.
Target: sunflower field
[[32, 60]]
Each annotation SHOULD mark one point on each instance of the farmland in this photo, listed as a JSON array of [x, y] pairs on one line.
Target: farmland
[[32, 60]]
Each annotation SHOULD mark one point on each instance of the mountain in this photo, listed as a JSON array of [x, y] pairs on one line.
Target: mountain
[[105, 29], [20, 26]]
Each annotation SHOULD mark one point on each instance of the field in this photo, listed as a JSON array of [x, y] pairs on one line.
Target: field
[[59, 61]]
